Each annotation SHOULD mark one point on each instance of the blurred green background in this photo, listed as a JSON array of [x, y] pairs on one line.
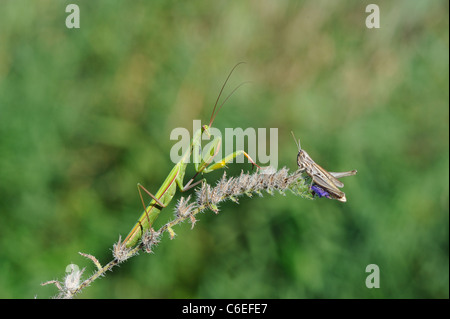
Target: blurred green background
[[85, 114]]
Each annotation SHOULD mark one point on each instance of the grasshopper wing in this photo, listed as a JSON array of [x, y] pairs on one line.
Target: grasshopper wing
[[330, 187], [343, 174], [326, 175]]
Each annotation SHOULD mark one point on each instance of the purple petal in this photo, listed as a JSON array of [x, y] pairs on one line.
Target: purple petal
[[320, 191]]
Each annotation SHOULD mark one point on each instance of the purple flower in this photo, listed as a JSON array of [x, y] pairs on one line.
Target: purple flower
[[320, 191]]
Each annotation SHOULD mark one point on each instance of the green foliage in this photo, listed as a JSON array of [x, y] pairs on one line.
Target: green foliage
[[86, 114]]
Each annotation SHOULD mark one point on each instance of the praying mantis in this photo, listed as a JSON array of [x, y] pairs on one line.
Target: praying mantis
[[166, 192]]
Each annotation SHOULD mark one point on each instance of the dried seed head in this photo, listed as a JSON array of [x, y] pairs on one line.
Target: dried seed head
[[202, 194], [267, 179], [149, 239], [72, 279], [183, 207], [267, 170], [120, 251]]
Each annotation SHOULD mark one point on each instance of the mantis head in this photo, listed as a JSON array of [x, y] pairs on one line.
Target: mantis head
[[205, 129]]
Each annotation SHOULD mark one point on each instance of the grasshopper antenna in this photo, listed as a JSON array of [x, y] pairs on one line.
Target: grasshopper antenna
[[214, 112], [296, 143]]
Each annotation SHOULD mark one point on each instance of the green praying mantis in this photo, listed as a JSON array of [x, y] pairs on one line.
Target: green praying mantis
[[166, 192]]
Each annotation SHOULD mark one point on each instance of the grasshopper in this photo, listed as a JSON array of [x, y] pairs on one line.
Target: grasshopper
[[326, 183], [176, 176]]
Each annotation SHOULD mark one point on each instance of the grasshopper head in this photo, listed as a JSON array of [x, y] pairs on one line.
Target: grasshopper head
[[302, 155], [302, 159]]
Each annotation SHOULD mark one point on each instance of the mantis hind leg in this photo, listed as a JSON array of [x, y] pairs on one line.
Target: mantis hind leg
[[150, 194], [130, 239], [157, 202]]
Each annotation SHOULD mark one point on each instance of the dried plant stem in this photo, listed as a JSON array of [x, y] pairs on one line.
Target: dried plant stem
[[99, 273], [207, 197]]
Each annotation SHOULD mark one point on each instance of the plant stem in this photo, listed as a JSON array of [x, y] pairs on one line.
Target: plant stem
[[207, 198]]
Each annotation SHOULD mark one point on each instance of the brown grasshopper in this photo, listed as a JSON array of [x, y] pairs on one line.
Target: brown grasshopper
[[326, 183]]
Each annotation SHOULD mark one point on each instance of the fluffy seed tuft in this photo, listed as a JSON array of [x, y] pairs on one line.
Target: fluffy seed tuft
[[120, 251]]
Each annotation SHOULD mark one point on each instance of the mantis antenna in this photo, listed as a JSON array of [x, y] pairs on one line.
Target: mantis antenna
[[214, 112]]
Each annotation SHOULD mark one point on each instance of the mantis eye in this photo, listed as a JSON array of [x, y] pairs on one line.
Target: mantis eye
[[205, 129]]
